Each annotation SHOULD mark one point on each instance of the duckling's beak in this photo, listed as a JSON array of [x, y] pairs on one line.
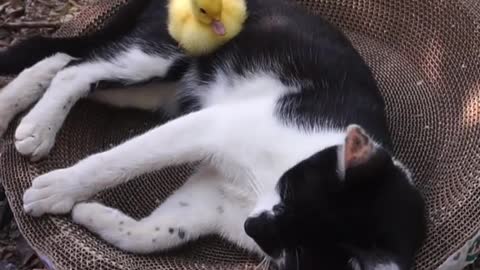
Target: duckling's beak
[[218, 28]]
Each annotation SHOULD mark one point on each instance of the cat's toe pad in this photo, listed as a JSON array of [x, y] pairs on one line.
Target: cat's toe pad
[[34, 139], [53, 193]]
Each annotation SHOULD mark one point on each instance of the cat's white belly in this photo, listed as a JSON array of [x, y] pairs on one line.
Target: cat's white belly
[[256, 149]]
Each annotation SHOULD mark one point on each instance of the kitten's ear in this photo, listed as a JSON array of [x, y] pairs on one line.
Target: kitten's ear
[[357, 149]]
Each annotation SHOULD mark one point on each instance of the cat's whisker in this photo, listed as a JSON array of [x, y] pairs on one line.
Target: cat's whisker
[[298, 259], [267, 265], [260, 265], [253, 184]]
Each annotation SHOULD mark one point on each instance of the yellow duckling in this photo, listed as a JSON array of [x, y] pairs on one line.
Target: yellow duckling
[[201, 26]]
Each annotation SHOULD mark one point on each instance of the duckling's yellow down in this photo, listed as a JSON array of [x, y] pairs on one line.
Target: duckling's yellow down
[[198, 38]]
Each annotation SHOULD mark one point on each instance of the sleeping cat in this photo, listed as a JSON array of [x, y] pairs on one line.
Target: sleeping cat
[[285, 120]]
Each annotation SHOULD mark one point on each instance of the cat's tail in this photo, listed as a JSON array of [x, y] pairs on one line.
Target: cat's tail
[[30, 51], [27, 53]]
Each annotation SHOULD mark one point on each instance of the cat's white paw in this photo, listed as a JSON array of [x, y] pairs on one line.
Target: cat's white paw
[[34, 138], [55, 193], [28, 87]]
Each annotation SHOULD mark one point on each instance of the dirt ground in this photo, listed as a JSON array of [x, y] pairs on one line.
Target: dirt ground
[[20, 19]]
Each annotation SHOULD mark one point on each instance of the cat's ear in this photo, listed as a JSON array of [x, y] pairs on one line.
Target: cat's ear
[[357, 148]]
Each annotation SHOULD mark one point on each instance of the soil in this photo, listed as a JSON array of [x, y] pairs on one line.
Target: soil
[[20, 19]]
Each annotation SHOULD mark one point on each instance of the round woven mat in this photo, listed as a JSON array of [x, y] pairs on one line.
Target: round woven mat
[[426, 57]]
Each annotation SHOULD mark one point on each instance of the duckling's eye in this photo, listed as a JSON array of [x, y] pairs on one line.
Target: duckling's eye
[[203, 11]]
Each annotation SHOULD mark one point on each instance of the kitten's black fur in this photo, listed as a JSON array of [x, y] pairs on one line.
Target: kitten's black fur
[[373, 215]]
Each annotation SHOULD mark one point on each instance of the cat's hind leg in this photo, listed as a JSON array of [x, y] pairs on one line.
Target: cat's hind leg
[[149, 97], [35, 136], [190, 212], [28, 87]]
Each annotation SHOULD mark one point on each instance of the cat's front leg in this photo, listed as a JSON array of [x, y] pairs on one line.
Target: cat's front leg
[[35, 136], [186, 139]]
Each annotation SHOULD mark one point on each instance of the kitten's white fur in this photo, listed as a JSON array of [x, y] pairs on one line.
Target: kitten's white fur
[[242, 147], [386, 266], [373, 266]]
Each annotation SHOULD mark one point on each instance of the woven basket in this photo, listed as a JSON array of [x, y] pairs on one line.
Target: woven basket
[[425, 55]]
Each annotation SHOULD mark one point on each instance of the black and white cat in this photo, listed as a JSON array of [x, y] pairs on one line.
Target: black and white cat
[[286, 121]]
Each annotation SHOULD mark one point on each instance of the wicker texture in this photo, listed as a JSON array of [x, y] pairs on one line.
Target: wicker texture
[[426, 58]]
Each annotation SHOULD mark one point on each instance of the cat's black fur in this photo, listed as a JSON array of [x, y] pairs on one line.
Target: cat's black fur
[[375, 214]]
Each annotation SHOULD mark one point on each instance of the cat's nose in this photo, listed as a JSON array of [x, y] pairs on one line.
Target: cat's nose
[[278, 209], [258, 226], [263, 230], [250, 227]]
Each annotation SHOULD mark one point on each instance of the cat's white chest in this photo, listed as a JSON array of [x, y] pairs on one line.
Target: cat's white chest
[[256, 149]]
